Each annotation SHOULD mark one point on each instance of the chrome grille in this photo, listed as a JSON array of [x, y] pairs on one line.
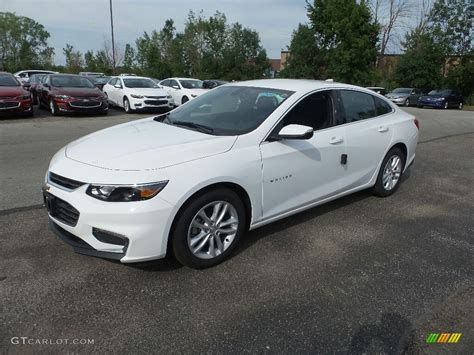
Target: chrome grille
[[64, 182]]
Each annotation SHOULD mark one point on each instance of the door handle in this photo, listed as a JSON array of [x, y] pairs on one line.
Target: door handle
[[383, 129], [336, 140]]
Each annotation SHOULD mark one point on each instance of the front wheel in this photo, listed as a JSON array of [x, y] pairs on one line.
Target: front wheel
[[390, 173], [53, 108], [126, 106], [460, 106], [208, 229], [446, 105], [407, 103]]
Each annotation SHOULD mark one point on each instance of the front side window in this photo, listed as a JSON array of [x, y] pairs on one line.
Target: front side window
[[357, 105], [227, 111], [315, 110]]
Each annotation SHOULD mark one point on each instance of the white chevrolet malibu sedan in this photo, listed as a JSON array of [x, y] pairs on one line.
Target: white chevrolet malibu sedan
[[192, 181]]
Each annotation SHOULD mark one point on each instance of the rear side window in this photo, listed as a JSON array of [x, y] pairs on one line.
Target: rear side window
[[382, 107], [357, 105]]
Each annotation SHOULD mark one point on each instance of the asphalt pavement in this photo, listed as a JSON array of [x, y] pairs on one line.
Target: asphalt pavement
[[359, 275]]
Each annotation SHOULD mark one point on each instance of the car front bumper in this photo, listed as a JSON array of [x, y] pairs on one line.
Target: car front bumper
[[125, 231], [437, 104], [149, 103], [9, 107]]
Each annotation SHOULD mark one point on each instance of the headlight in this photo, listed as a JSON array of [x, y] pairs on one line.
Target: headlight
[[62, 97], [440, 99], [137, 96], [125, 193]]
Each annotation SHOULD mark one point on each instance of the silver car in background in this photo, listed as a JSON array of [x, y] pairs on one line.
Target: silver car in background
[[404, 96]]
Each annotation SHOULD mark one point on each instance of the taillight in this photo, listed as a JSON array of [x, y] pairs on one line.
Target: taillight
[[417, 123]]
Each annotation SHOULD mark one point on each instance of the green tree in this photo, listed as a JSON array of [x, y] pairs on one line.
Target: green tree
[[421, 64], [74, 61], [90, 62], [346, 35], [129, 58], [23, 43], [305, 60]]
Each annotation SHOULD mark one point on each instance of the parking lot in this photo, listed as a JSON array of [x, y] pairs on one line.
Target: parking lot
[[360, 274]]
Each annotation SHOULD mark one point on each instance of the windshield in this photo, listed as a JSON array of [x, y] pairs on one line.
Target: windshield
[[139, 83], [439, 92], [71, 82], [228, 111], [8, 80], [401, 91], [191, 84], [100, 79]]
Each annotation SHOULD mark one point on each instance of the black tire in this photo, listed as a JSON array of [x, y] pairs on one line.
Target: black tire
[[184, 100], [53, 108], [126, 105], [460, 106], [407, 102], [179, 237], [446, 105], [379, 188]]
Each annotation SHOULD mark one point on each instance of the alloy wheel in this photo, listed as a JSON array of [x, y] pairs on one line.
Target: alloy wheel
[[52, 107], [461, 105], [392, 172], [446, 105], [126, 105], [213, 229]]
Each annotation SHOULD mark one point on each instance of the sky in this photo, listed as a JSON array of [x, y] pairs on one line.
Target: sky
[[85, 23]]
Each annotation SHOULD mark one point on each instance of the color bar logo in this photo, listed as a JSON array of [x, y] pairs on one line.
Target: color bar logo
[[443, 338]]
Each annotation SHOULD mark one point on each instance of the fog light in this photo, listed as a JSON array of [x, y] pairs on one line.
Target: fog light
[[110, 237]]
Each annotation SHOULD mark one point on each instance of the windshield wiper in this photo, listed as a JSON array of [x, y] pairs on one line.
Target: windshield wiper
[[196, 126]]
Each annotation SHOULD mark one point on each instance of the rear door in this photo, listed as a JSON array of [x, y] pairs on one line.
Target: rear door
[[368, 134]]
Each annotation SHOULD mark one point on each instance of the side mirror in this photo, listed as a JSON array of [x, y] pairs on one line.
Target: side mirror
[[296, 131], [117, 86], [175, 87]]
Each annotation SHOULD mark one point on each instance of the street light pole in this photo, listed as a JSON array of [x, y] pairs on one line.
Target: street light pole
[[113, 40]]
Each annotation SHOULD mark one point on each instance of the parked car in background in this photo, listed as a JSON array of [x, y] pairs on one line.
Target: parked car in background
[[14, 98], [442, 98], [24, 75], [404, 96], [211, 84], [99, 81], [90, 73], [35, 82], [194, 180], [378, 90], [134, 93], [69, 94], [183, 89]]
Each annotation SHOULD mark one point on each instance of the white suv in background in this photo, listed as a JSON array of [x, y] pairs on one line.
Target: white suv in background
[[134, 93], [183, 89]]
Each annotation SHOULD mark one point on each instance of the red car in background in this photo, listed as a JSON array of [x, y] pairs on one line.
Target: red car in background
[[69, 94], [14, 98]]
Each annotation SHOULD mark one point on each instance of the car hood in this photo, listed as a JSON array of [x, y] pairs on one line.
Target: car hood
[[148, 91], [7, 91], [77, 92], [145, 145]]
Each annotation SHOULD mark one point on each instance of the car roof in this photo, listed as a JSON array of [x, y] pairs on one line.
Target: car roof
[[131, 77], [296, 85], [175, 78]]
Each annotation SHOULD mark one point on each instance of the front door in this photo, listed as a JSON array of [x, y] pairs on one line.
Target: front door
[[299, 172]]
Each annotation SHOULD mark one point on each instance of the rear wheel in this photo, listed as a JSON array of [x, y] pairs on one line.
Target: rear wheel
[[208, 229], [460, 106], [446, 105], [390, 173]]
